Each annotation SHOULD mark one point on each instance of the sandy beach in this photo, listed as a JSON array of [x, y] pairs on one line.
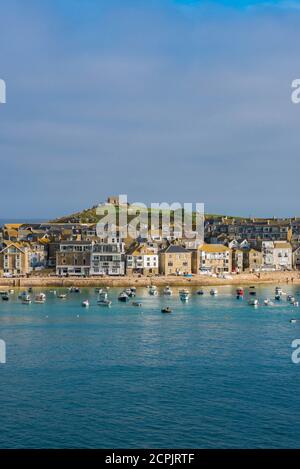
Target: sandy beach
[[142, 281]]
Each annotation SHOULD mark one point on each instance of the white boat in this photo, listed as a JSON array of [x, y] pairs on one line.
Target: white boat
[[294, 320], [104, 303], [26, 300], [85, 304], [40, 298], [268, 302], [253, 302], [213, 292], [98, 290], [168, 291], [153, 291], [184, 295], [295, 303], [62, 296], [102, 296], [11, 291]]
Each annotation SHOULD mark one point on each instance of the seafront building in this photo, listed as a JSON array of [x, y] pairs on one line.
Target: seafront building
[[142, 259], [175, 260], [76, 247], [212, 258]]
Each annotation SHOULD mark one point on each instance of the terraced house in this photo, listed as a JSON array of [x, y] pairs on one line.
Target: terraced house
[[73, 258], [14, 259], [107, 259], [212, 258], [175, 260], [141, 259]]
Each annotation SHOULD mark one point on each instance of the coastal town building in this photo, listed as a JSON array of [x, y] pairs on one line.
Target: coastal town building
[[252, 260], [73, 258], [175, 260], [276, 255], [107, 259], [141, 259], [14, 259], [212, 258], [237, 260]]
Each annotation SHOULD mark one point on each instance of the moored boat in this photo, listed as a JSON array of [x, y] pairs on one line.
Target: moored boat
[[239, 292], [166, 310], [62, 296], [85, 304], [213, 292], [253, 302], [104, 303], [5, 296], [168, 291], [136, 303], [200, 292], [252, 291], [153, 290], [40, 298], [184, 295], [26, 300], [123, 297]]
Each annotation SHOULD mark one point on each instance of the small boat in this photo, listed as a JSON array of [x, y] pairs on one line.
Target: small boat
[[153, 291], [5, 296], [252, 291], [168, 291], [278, 291], [123, 297], [200, 292], [213, 292], [239, 292], [253, 302], [85, 304], [268, 302], [26, 300], [104, 303], [102, 296], [277, 297], [62, 296], [184, 295], [129, 292], [133, 289], [11, 291], [294, 320], [74, 290], [166, 310], [289, 297], [136, 303], [53, 292], [98, 290], [40, 298], [295, 303], [30, 289]]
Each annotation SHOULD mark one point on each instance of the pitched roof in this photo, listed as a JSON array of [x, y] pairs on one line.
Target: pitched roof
[[173, 249], [213, 248]]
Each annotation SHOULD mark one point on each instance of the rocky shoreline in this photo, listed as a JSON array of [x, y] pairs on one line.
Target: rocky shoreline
[[196, 280]]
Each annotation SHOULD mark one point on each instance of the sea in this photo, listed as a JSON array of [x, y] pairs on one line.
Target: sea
[[215, 373]]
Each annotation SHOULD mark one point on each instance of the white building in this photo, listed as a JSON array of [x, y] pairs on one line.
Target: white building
[[107, 259]]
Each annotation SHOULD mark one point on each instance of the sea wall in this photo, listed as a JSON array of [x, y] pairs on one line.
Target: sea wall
[[196, 280]]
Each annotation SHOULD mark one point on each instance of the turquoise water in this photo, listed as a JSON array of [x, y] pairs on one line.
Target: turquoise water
[[216, 373]]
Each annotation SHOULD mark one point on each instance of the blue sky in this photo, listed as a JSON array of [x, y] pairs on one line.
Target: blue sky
[[163, 100]]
